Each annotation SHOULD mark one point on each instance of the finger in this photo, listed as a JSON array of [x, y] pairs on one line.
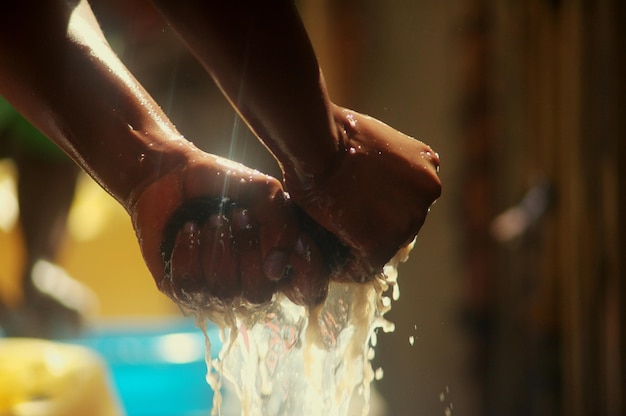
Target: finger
[[244, 230], [309, 276], [219, 265], [185, 267], [277, 222], [255, 286], [332, 251]]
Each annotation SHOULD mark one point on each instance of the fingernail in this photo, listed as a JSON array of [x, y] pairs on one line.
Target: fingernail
[[275, 265]]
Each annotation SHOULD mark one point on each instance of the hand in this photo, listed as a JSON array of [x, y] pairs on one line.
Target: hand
[[214, 230], [376, 193]]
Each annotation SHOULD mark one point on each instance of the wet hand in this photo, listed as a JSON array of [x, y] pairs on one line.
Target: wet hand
[[375, 194], [213, 230]]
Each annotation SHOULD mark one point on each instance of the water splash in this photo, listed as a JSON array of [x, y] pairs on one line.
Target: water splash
[[285, 359]]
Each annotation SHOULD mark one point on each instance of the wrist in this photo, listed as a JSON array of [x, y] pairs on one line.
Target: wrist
[[151, 163], [311, 169]]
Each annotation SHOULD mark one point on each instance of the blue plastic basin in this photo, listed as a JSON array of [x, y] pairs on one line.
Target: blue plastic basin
[[157, 368]]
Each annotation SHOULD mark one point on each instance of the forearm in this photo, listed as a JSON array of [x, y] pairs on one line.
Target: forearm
[[259, 54], [57, 69]]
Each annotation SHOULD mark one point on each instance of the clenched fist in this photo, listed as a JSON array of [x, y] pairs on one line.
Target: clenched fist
[[375, 193], [214, 230]]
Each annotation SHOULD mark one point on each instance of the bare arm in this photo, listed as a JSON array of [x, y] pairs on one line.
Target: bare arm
[[58, 70], [259, 54], [367, 183]]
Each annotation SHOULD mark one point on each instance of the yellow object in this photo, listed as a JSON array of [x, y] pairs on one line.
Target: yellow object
[[100, 251], [45, 378]]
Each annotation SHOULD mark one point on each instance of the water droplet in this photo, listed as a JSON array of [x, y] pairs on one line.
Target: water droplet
[[395, 294], [352, 150], [378, 375], [351, 120], [141, 157], [412, 340]]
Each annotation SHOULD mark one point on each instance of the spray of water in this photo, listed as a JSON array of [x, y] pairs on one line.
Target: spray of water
[[285, 359]]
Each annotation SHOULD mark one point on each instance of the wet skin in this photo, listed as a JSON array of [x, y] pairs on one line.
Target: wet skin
[[375, 197], [213, 228], [354, 189]]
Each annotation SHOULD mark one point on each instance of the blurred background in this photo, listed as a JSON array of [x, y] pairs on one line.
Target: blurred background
[[513, 300]]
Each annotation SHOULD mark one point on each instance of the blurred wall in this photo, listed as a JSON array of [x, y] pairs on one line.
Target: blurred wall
[[543, 133]]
